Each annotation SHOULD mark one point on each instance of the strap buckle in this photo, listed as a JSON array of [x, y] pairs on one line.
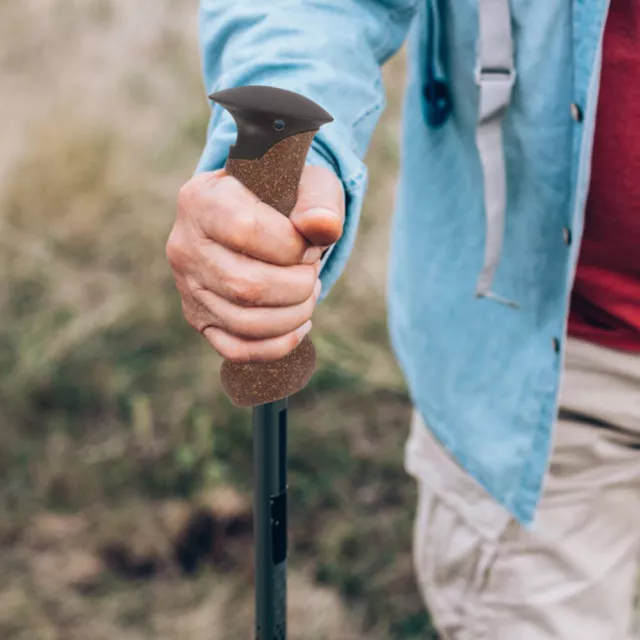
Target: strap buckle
[[503, 75]]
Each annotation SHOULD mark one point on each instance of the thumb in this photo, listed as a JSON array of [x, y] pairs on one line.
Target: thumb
[[319, 212]]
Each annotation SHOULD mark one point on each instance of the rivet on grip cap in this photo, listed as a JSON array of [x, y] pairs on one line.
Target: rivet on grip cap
[[275, 130]]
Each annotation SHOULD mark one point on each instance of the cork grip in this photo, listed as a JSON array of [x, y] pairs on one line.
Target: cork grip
[[274, 178], [270, 165]]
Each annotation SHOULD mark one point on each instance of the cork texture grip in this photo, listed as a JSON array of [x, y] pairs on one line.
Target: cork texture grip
[[274, 178]]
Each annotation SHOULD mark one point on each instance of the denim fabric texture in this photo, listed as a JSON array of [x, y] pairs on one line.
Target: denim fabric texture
[[484, 376]]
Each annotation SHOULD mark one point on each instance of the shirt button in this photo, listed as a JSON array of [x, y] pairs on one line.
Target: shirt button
[[556, 345], [576, 112], [566, 235]]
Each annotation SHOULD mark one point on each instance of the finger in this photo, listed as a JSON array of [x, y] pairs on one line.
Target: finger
[[230, 214], [252, 323], [320, 210], [196, 313], [244, 351], [249, 282]]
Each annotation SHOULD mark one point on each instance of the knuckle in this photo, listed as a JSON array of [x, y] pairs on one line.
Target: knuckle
[[245, 288], [242, 228], [231, 199], [193, 192], [200, 315], [176, 251], [189, 192], [190, 315], [193, 315]]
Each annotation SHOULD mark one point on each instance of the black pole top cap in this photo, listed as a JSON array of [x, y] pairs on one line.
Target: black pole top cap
[[267, 115]]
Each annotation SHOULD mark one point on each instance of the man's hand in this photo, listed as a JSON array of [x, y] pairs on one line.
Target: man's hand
[[248, 275]]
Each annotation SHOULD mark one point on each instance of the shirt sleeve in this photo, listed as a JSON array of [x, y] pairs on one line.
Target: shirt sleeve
[[330, 51]]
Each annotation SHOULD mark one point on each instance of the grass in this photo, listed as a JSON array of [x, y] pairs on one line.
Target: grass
[[110, 404]]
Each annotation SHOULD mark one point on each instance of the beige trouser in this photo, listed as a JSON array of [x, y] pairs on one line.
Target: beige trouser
[[573, 574]]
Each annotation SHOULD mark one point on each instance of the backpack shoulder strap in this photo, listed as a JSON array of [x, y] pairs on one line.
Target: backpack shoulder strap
[[495, 77]]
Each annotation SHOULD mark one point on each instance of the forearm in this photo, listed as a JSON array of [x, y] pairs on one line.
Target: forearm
[[328, 50]]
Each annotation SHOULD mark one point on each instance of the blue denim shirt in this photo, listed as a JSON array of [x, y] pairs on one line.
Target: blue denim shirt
[[484, 376]]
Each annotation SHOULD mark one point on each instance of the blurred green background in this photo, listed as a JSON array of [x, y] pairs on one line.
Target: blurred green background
[[125, 474]]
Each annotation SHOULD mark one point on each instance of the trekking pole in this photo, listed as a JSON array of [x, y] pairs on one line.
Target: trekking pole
[[275, 130]]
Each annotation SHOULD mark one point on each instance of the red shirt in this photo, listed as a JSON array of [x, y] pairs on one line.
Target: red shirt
[[605, 305]]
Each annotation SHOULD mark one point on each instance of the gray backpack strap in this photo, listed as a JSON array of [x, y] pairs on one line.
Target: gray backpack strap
[[495, 76]]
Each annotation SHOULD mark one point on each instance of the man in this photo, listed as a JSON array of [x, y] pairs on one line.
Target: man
[[514, 290]]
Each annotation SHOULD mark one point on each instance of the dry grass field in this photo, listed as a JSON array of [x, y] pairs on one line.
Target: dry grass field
[[125, 474]]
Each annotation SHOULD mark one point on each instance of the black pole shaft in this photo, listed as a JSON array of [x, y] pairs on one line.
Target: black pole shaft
[[270, 518]]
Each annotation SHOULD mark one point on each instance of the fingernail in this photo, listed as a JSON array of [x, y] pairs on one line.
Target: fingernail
[[302, 331], [312, 255], [318, 288]]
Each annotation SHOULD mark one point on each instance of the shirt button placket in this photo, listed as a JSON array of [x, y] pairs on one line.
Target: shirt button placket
[[576, 114]]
